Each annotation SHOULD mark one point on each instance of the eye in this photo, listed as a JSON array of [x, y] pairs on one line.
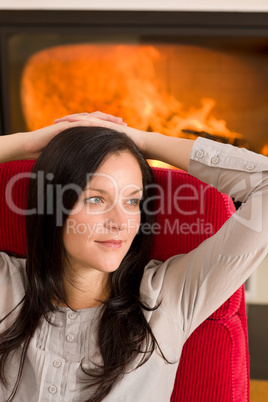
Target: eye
[[94, 200], [133, 202]]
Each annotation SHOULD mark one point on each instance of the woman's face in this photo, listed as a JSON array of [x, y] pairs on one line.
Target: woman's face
[[106, 218]]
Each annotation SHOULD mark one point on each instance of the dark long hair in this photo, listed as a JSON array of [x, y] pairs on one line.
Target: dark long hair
[[123, 332]]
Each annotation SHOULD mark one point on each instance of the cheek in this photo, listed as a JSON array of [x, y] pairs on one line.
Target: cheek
[[80, 225], [133, 225]]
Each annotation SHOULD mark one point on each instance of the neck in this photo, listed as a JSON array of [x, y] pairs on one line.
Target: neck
[[87, 291]]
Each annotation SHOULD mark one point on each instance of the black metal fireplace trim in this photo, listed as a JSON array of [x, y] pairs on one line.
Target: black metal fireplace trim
[[148, 23], [186, 19]]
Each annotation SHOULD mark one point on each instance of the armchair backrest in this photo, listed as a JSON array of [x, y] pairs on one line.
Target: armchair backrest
[[214, 362]]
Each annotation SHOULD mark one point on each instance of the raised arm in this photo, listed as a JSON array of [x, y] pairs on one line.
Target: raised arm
[[29, 145], [203, 279]]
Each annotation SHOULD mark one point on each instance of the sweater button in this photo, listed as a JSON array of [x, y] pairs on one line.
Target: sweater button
[[57, 363], [250, 166], [215, 160], [72, 315], [52, 389], [199, 154], [70, 338]]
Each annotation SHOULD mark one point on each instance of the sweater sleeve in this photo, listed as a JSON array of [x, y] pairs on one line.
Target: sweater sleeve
[[194, 285]]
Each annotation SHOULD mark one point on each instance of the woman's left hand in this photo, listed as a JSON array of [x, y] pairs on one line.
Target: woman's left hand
[[35, 141]]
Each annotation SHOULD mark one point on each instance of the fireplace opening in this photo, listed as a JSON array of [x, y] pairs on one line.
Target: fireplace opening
[[210, 85]]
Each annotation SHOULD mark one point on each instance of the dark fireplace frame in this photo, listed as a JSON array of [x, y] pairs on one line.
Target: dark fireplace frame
[[147, 23]]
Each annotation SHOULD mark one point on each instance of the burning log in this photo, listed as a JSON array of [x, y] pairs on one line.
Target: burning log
[[237, 141]]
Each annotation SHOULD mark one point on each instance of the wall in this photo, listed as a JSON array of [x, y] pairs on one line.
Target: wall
[[187, 5], [257, 285]]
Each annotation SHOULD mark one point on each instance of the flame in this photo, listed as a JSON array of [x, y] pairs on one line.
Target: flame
[[264, 150], [118, 79]]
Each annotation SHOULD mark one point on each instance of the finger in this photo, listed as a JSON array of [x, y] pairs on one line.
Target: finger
[[86, 116], [93, 122], [106, 116], [72, 117]]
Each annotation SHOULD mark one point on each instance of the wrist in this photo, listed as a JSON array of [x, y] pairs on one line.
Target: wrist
[[152, 144], [12, 147], [174, 151], [25, 152]]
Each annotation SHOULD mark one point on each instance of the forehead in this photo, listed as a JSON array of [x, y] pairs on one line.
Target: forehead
[[121, 170]]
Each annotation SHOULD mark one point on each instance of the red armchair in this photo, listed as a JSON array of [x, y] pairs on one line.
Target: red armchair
[[215, 362]]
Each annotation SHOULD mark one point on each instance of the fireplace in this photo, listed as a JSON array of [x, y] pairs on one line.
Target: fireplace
[[180, 73]]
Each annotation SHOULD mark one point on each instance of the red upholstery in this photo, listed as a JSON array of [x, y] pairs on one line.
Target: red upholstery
[[214, 364]]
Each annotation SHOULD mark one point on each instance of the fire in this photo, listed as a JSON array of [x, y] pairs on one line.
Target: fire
[[122, 80], [265, 150]]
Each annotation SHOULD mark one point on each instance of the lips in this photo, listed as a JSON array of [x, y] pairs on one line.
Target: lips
[[111, 243]]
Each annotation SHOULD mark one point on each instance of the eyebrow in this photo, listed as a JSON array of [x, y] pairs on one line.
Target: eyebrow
[[102, 191]]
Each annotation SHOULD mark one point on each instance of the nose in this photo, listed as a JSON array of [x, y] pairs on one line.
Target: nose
[[116, 219]]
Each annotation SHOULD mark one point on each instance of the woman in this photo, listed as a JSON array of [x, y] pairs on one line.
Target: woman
[[88, 320]]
